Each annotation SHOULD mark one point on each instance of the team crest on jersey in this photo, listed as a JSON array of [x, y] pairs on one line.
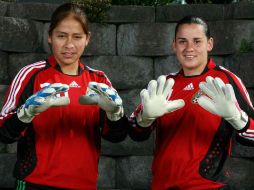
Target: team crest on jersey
[[195, 97]]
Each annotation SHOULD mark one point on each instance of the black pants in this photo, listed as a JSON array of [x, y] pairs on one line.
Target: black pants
[[22, 185]]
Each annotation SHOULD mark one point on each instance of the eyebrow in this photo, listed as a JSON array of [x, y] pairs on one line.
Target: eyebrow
[[67, 33], [197, 38], [181, 38]]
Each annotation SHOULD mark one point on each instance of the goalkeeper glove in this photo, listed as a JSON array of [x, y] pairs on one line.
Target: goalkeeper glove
[[155, 101], [106, 98], [42, 100], [221, 101]]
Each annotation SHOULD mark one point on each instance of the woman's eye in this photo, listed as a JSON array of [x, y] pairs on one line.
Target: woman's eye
[[60, 36], [77, 37], [197, 41]]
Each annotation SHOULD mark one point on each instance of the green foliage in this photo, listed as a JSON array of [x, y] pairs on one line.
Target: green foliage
[[198, 1], [95, 9], [166, 2], [246, 46], [208, 1], [142, 2]]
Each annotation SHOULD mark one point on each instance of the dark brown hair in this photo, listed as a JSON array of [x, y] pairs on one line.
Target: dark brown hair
[[194, 20], [66, 10]]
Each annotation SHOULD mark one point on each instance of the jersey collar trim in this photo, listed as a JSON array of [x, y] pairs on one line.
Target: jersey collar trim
[[210, 65], [52, 61]]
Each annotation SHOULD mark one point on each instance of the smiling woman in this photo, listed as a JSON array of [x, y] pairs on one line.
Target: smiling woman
[[58, 109], [198, 113], [191, 46]]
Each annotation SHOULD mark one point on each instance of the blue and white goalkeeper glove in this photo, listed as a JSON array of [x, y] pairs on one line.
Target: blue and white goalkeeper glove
[[42, 100], [106, 98], [156, 101], [220, 99]]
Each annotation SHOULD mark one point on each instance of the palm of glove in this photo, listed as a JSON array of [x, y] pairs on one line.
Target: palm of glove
[[42, 100], [155, 107], [105, 97], [220, 99], [155, 99]]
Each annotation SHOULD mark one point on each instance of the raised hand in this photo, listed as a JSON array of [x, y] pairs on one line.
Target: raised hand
[[220, 100], [155, 101], [106, 98], [42, 100]]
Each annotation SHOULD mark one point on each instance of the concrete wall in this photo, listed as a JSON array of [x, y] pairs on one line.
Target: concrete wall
[[132, 47]]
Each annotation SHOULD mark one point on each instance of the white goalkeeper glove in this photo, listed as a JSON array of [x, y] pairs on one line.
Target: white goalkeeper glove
[[106, 98], [221, 101], [42, 100], [155, 101]]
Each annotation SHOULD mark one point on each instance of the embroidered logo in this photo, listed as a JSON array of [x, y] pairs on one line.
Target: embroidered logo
[[74, 84], [189, 87]]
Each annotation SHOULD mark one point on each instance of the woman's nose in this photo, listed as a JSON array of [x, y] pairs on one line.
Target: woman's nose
[[69, 43], [189, 46]]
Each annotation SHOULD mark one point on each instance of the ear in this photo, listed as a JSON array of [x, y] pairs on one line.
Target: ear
[[49, 39], [174, 45], [88, 36], [210, 44]]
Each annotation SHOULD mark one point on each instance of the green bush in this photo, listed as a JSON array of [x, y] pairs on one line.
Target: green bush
[[208, 1], [95, 9], [246, 46], [142, 2]]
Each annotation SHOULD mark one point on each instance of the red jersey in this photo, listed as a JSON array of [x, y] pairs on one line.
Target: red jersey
[[61, 146], [192, 144]]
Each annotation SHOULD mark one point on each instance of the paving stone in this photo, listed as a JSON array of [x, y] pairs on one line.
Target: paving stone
[[4, 77], [19, 35], [36, 11], [107, 172], [18, 61], [134, 172], [7, 162], [125, 72], [4, 8], [239, 10], [3, 91], [128, 14], [145, 39], [129, 147], [175, 12], [242, 65]]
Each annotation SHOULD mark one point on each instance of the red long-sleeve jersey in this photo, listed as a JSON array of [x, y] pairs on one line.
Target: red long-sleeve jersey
[[193, 144], [61, 146]]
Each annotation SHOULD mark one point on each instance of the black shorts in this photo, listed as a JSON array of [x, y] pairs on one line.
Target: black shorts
[[23, 185]]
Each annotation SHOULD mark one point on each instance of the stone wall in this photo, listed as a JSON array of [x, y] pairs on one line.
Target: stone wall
[[132, 47]]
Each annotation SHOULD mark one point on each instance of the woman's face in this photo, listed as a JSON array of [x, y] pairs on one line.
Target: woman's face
[[191, 47], [68, 41]]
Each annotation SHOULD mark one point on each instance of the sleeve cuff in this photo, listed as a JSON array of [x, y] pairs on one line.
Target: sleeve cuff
[[15, 125]]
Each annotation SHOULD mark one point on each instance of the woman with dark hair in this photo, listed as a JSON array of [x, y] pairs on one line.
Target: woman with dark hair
[[58, 109], [197, 112]]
